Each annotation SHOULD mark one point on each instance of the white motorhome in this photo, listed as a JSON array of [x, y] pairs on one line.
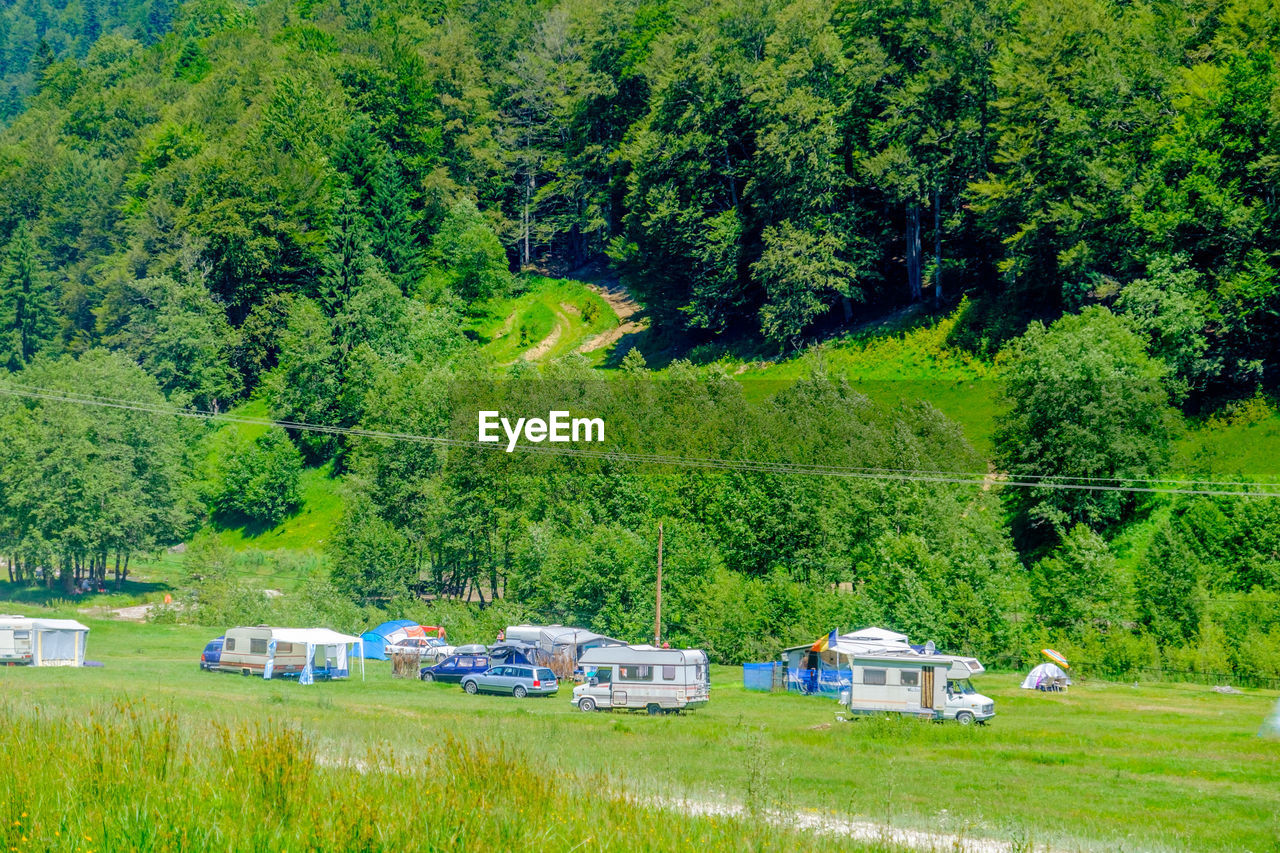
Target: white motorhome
[[659, 681], [964, 704], [913, 684]]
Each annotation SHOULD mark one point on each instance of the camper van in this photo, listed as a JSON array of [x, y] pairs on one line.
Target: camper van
[[913, 684], [964, 704], [660, 681], [246, 651]]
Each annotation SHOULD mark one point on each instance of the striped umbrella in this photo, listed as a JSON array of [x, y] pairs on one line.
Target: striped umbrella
[[1056, 658]]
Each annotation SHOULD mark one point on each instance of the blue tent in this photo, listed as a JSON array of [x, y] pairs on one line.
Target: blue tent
[[374, 641]]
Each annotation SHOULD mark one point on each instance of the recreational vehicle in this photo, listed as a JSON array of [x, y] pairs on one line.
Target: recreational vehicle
[[913, 684], [42, 642], [657, 680], [274, 652]]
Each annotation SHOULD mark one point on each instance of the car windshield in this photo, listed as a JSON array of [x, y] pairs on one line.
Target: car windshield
[[962, 687]]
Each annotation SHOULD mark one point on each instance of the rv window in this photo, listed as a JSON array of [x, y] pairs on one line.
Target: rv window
[[668, 673], [873, 676], [284, 648], [257, 647], [229, 645], [22, 635], [910, 678], [639, 672]]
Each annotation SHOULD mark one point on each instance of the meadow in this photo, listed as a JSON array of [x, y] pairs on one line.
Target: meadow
[[1103, 767]]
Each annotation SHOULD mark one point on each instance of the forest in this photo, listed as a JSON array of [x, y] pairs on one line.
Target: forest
[[304, 206]]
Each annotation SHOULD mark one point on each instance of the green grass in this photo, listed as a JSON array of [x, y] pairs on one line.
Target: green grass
[[900, 359], [1240, 443], [508, 328], [1162, 766], [306, 530]]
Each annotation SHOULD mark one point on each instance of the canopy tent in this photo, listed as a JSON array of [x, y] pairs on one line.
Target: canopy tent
[[1046, 676], [332, 644]]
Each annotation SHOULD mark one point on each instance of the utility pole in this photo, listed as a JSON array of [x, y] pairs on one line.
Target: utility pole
[[657, 610]]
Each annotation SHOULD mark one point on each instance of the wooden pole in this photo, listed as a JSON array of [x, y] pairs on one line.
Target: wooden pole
[[657, 609]]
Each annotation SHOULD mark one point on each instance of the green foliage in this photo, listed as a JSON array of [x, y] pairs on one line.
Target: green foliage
[[473, 259], [26, 303], [1084, 401], [260, 479]]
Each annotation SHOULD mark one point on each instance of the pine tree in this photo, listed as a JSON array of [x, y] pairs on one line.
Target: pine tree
[[26, 309], [392, 224]]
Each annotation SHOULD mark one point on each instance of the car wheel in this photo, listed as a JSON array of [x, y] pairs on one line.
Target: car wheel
[[653, 709], [964, 718], [427, 676], [471, 687], [519, 692]]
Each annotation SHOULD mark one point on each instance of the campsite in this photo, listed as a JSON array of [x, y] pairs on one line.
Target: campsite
[[1155, 767]]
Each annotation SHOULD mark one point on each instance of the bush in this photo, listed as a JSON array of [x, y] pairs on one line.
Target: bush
[[260, 480]]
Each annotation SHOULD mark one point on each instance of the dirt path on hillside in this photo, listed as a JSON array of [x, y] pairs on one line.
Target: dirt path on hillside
[[624, 305], [545, 345]]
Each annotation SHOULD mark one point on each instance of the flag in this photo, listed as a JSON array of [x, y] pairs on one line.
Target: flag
[[826, 642]]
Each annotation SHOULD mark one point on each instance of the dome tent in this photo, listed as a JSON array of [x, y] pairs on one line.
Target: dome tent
[[1046, 676], [375, 640]]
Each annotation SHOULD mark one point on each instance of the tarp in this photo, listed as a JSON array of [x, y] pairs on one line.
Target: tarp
[[1044, 676], [513, 652], [374, 641]]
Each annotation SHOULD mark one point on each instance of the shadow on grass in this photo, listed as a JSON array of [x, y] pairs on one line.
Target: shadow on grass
[[21, 593]]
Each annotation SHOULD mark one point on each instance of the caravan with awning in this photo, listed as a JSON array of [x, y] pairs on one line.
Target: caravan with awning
[[305, 653], [42, 642]]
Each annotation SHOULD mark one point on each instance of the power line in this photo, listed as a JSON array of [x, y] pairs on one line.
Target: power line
[[1034, 481]]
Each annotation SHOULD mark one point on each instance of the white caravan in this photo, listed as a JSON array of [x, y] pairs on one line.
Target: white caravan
[[660, 681], [913, 684]]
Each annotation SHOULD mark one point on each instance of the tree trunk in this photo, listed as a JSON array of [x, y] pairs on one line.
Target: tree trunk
[[937, 247], [914, 282], [528, 197]]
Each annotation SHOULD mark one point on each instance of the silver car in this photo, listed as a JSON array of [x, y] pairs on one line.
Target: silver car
[[515, 680]]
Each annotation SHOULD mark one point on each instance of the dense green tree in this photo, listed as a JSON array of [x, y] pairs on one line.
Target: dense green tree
[[260, 479], [468, 252], [1086, 406], [27, 319]]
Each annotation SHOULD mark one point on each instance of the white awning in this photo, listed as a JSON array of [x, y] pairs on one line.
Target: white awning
[[59, 625], [314, 636]]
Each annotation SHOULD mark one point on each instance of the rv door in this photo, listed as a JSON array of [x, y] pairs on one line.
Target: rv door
[[926, 688]]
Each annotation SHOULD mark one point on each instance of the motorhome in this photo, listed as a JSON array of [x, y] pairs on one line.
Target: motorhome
[[659, 681], [965, 704], [913, 684]]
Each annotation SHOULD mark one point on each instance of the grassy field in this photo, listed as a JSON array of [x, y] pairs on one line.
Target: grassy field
[[1106, 766], [551, 318]]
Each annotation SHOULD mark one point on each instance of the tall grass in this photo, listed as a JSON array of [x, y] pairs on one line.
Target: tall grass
[[128, 776]]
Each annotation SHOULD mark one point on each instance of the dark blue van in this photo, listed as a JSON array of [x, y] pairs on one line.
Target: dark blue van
[[453, 669]]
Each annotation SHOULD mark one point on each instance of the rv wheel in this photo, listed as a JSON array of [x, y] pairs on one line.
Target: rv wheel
[[964, 718], [588, 704], [653, 709]]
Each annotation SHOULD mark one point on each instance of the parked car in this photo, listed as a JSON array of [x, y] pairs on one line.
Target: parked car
[[455, 668], [212, 654], [417, 646], [517, 681]]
